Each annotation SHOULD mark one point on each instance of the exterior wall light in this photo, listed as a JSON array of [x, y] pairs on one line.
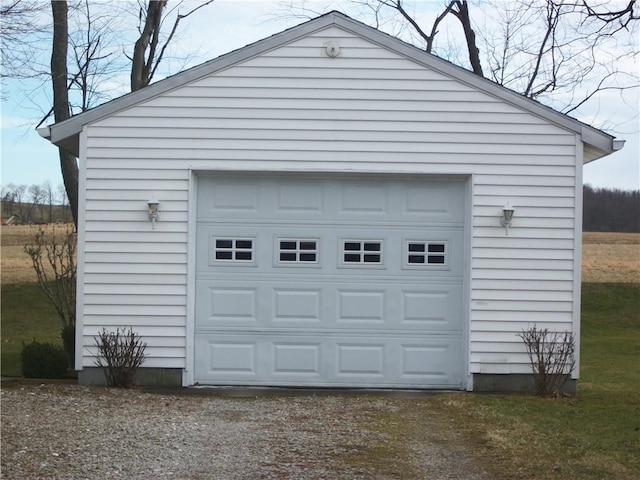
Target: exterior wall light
[[507, 216], [153, 205]]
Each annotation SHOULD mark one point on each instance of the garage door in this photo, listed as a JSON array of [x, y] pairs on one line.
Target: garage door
[[327, 281]]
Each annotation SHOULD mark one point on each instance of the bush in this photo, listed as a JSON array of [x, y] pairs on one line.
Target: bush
[[123, 353], [552, 357], [68, 334], [53, 255], [44, 360]]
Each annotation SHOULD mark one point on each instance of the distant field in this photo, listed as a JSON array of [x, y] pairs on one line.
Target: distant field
[[606, 257], [610, 257], [15, 263]]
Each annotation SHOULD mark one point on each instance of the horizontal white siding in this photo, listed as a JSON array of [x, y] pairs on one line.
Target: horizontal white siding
[[296, 109]]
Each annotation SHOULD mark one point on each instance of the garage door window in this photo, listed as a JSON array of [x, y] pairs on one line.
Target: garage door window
[[426, 254], [233, 250], [361, 252], [297, 251]]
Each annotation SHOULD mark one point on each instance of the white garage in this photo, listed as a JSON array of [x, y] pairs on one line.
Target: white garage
[[332, 211], [330, 281]]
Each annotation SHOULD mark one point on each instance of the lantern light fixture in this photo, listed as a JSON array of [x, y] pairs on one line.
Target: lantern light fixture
[[507, 216], [153, 205]]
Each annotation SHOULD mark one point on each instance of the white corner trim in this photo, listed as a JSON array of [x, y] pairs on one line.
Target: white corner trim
[[188, 377], [80, 262], [577, 256]]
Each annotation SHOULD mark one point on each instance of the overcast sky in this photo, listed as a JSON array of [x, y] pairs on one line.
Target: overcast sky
[[230, 24]]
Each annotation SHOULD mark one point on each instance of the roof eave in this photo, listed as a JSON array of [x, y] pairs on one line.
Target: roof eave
[[44, 132], [598, 144]]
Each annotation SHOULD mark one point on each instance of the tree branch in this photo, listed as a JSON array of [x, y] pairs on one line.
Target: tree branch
[[170, 37]]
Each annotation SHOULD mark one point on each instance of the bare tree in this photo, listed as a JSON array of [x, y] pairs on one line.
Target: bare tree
[[19, 192], [48, 198], [53, 255], [147, 52], [93, 63], [617, 19], [559, 50], [35, 196], [86, 55], [456, 8], [93, 55], [64, 201], [8, 200], [20, 21], [144, 51], [61, 108]]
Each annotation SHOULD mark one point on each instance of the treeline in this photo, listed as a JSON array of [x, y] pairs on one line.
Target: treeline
[[606, 210], [29, 204]]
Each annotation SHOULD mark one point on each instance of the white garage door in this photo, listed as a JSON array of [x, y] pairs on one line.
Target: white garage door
[[326, 281]]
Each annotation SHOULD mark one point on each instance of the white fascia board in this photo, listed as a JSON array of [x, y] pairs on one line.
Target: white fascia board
[[599, 140]]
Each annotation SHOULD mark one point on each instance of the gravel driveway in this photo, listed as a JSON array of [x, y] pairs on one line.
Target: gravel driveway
[[72, 431]]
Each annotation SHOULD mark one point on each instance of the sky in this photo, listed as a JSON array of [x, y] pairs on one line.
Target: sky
[[227, 25]]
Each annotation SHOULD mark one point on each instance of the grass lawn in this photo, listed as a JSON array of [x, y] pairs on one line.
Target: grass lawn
[[26, 315], [592, 435]]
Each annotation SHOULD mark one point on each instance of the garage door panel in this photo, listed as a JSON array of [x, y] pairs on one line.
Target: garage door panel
[[431, 361], [361, 360], [301, 197], [436, 203], [361, 306], [297, 305], [364, 199], [225, 304], [233, 304], [327, 361], [330, 199], [233, 359], [302, 359], [432, 309], [231, 197], [331, 306], [331, 243], [326, 281]]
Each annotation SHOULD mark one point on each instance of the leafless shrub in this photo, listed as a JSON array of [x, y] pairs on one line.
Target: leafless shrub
[[53, 255], [552, 357], [120, 354]]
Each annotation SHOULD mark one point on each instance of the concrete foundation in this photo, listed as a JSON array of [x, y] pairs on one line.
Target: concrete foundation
[[512, 383], [150, 377], [172, 377]]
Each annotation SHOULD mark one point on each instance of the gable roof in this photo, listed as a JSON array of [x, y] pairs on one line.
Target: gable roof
[[66, 134]]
